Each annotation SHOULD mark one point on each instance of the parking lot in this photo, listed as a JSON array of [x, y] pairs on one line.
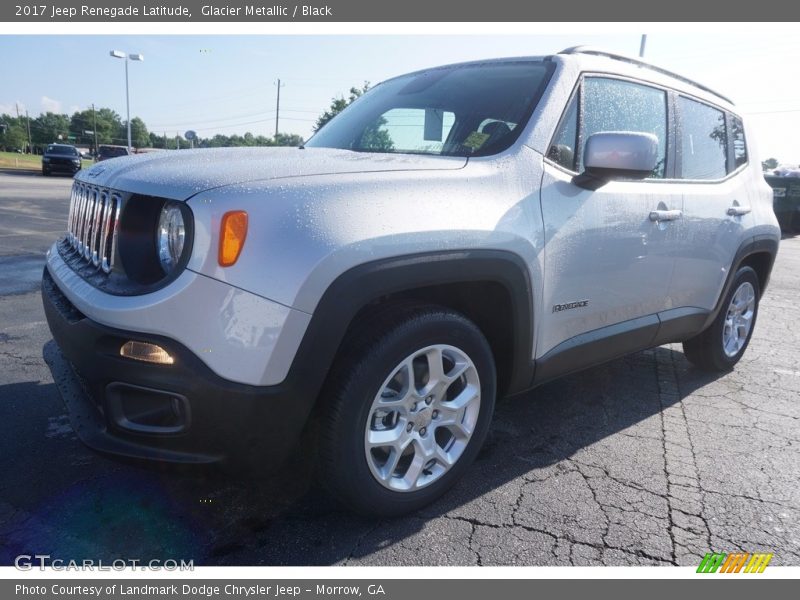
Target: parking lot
[[644, 460]]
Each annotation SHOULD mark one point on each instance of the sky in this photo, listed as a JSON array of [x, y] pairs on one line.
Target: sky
[[227, 83]]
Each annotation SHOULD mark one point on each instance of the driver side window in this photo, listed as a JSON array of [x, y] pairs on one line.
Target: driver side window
[[610, 105], [619, 105]]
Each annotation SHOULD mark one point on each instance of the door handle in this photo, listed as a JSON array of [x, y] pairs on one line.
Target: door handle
[[665, 215], [738, 211]]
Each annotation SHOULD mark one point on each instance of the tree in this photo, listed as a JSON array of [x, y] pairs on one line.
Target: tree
[[769, 164], [374, 137], [287, 139], [339, 104], [50, 127], [139, 136], [109, 125], [13, 136]]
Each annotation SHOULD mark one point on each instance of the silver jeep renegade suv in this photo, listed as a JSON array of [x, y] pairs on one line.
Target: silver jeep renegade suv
[[456, 235]]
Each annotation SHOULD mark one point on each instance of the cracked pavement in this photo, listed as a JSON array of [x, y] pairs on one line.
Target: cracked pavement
[[644, 460]]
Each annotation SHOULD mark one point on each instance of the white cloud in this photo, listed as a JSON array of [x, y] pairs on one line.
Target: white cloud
[[50, 105], [11, 109]]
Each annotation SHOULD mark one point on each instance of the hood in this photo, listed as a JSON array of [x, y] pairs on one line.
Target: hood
[[179, 175]]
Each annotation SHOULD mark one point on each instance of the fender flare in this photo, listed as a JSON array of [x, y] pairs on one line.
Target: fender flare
[[356, 288], [760, 244]]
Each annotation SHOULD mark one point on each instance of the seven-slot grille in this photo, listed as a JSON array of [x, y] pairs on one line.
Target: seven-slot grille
[[92, 224]]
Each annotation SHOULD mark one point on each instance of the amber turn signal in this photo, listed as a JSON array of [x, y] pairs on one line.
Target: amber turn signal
[[146, 353], [232, 233]]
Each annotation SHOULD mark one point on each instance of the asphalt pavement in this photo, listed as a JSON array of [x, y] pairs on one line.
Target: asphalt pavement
[[645, 460]]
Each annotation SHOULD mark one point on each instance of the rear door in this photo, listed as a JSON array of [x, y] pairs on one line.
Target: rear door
[[712, 156]]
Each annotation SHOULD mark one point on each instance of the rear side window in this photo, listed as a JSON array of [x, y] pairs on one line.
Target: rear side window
[[704, 147], [739, 145], [617, 105]]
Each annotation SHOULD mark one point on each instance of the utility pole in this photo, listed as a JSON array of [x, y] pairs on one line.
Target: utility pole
[[30, 141], [94, 127], [642, 45], [278, 106]]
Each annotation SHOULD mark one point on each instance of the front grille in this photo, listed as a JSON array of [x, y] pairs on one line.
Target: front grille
[[93, 224]]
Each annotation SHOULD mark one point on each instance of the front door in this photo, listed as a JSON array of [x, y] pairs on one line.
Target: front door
[[609, 252]]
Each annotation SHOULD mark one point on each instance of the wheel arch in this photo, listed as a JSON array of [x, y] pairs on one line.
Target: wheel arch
[[759, 253], [490, 287]]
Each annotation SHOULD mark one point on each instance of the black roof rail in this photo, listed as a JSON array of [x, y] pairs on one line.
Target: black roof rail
[[640, 63]]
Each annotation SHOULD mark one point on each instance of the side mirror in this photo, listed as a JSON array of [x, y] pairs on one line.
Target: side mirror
[[612, 155]]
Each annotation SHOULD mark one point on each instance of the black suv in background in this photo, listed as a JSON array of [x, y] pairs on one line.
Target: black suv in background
[[61, 158], [105, 152]]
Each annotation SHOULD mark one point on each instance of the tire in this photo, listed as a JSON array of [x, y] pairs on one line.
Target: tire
[[370, 394], [720, 346], [45, 173]]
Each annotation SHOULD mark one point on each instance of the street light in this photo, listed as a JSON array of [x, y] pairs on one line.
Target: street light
[[127, 57]]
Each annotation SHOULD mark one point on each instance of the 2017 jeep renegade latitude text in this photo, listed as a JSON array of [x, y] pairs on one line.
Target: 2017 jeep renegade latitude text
[[455, 235]]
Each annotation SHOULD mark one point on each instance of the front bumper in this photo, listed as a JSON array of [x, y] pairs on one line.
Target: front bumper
[[213, 419], [58, 167]]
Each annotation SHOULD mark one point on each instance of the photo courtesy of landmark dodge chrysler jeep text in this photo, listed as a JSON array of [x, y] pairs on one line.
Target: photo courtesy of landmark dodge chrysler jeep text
[[456, 235]]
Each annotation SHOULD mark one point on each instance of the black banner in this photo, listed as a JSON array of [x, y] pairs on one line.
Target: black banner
[[376, 589], [337, 11]]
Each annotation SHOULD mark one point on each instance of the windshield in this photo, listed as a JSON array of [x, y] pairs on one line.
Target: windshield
[[65, 150], [462, 110]]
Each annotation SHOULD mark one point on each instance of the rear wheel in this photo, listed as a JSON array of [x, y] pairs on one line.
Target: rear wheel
[[721, 346], [406, 411]]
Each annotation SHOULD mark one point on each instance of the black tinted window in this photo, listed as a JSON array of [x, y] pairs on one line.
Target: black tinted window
[[704, 146], [112, 151], [739, 145], [565, 142], [616, 105], [465, 110]]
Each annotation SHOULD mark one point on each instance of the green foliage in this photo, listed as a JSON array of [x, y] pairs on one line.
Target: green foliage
[[50, 127], [248, 139], [111, 129], [376, 139], [287, 139], [769, 164], [339, 104], [14, 136], [139, 136]]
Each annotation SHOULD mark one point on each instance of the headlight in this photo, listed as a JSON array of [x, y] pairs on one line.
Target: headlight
[[45, 159], [170, 236], [77, 161]]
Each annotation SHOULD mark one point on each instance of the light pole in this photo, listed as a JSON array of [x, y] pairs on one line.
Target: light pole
[[127, 57]]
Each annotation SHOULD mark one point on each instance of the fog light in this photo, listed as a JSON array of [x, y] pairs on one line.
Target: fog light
[[146, 353]]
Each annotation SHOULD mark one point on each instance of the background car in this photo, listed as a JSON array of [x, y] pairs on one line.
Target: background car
[[786, 201], [107, 151], [61, 158]]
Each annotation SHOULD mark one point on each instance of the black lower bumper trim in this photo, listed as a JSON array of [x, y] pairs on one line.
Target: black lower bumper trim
[[89, 423], [230, 422]]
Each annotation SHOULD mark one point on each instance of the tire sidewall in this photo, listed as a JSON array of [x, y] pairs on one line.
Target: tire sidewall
[[744, 274], [364, 384]]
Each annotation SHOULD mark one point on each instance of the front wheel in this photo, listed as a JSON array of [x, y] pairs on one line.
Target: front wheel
[[406, 411], [722, 344]]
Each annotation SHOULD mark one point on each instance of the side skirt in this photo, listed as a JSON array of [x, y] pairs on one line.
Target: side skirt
[[618, 340]]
